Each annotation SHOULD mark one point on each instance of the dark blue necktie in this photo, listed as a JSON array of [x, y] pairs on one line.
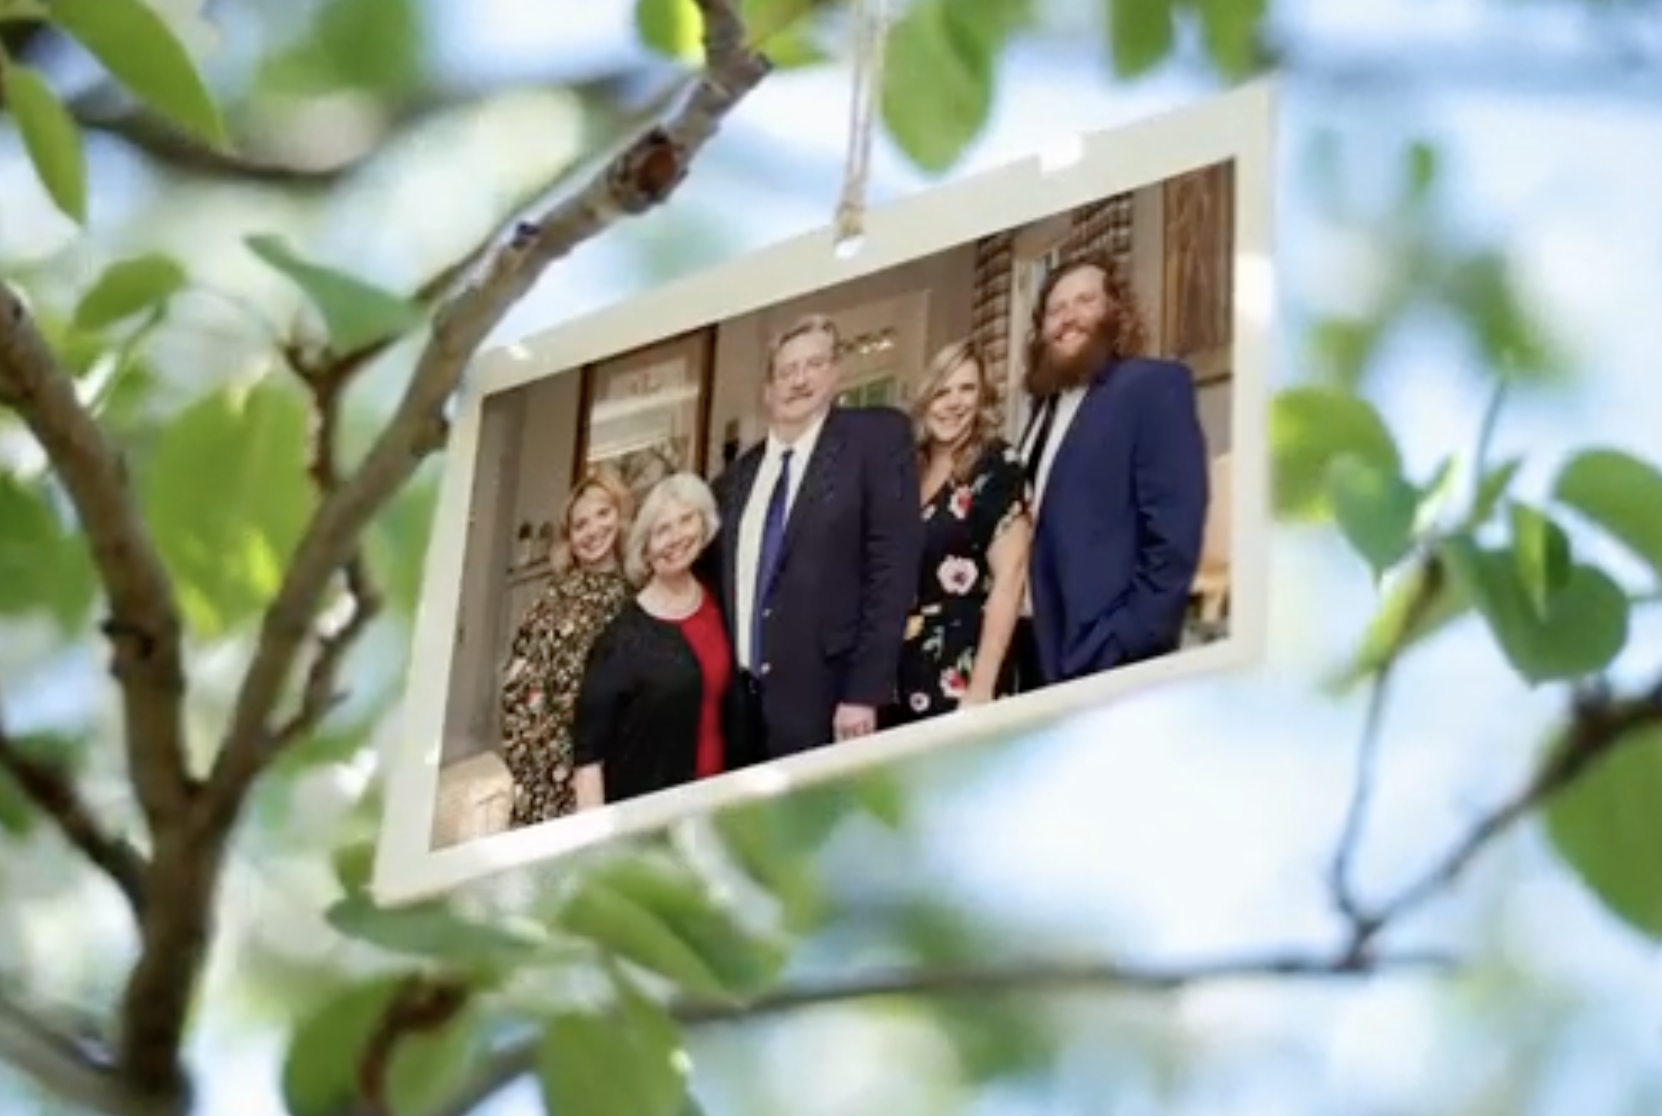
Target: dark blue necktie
[[767, 563]]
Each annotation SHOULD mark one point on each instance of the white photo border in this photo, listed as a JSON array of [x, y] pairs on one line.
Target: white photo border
[[1238, 126]]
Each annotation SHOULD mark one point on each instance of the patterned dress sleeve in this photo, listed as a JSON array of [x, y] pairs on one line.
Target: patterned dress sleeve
[[1001, 496]]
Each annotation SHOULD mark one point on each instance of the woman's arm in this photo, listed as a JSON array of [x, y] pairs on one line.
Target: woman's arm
[[589, 783], [594, 723], [1007, 558]]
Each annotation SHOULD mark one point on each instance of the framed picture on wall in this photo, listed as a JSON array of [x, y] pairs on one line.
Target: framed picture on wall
[[646, 414]]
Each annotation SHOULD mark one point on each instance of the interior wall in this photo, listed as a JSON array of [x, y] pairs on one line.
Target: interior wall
[[527, 443], [741, 343]]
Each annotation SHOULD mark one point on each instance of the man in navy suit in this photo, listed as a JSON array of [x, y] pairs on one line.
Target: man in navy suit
[[818, 553], [1117, 460]]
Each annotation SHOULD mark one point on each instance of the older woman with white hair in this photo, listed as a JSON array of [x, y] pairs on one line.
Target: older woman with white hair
[[653, 707]]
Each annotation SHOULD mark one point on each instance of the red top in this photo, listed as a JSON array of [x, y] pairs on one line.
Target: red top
[[706, 634]]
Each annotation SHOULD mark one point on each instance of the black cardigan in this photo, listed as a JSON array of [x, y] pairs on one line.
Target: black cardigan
[[639, 707]]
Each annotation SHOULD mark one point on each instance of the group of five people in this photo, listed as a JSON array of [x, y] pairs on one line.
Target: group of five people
[[860, 568]]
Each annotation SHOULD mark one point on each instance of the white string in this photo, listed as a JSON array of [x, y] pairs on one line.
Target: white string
[[871, 32]]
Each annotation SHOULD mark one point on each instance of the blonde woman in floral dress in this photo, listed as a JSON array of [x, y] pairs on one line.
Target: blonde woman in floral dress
[[551, 647], [977, 533]]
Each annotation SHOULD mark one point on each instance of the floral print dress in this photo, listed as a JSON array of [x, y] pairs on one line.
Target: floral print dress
[[539, 689], [960, 523]]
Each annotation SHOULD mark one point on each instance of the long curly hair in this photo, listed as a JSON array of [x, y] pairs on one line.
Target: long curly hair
[[1124, 333]]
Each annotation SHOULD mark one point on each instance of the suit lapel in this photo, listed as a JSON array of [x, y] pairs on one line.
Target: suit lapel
[[745, 469], [1079, 432], [817, 483]]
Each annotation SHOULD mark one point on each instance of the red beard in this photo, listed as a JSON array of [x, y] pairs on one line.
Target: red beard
[[1049, 372]]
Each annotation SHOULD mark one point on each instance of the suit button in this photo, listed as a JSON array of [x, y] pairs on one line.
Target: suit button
[[767, 613], [765, 668]]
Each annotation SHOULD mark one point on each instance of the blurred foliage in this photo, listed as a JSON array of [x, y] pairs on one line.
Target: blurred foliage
[[601, 976]]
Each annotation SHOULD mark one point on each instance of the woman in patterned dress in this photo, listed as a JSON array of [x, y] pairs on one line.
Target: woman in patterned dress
[[977, 533], [551, 647]]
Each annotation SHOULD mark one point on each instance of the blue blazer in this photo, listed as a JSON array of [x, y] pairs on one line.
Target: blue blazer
[[1119, 534]]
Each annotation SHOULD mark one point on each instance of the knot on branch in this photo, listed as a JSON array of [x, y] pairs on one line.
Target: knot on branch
[[421, 1005], [648, 172]]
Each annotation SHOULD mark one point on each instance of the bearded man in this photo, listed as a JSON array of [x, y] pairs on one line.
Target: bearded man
[[1117, 461]]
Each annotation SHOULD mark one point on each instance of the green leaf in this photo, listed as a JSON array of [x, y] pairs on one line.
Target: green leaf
[[1579, 632], [882, 795], [355, 313], [1375, 508], [1230, 29], [434, 929], [622, 1064], [1511, 334], [1492, 488], [139, 49], [1619, 493], [226, 492], [671, 27], [17, 812], [1343, 347], [50, 136], [44, 567], [1422, 602], [1141, 35], [1310, 427], [1541, 550], [330, 57], [742, 961], [1607, 826], [324, 1064], [620, 923], [397, 543], [128, 287], [937, 86], [989, 25], [354, 862], [777, 844], [1422, 170]]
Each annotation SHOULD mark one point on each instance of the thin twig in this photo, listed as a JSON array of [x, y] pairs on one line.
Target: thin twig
[[1597, 731], [143, 626], [974, 982], [54, 794], [1340, 878], [68, 1067]]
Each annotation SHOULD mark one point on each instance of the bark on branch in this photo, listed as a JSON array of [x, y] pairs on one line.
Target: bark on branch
[[54, 795], [143, 626]]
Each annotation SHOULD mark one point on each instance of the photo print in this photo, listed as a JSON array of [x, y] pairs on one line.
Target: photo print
[[804, 515]]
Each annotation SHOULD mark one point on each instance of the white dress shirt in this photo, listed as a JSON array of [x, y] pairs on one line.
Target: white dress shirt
[[1067, 407], [752, 520]]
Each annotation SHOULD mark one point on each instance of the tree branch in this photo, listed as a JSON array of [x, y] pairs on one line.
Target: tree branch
[[143, 626], [56, 797], [68, 1068], [1599, 727], [156, 1000], [967, 982]]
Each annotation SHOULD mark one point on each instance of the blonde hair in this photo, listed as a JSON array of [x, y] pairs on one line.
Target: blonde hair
[[988, 416], [802, 327], [686, 490], [608, 484]]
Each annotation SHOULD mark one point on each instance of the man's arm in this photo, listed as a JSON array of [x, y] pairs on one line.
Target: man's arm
[[893, 547], [1171, 479]]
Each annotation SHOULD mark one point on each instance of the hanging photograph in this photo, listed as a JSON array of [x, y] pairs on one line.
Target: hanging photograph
[[805, 514]]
